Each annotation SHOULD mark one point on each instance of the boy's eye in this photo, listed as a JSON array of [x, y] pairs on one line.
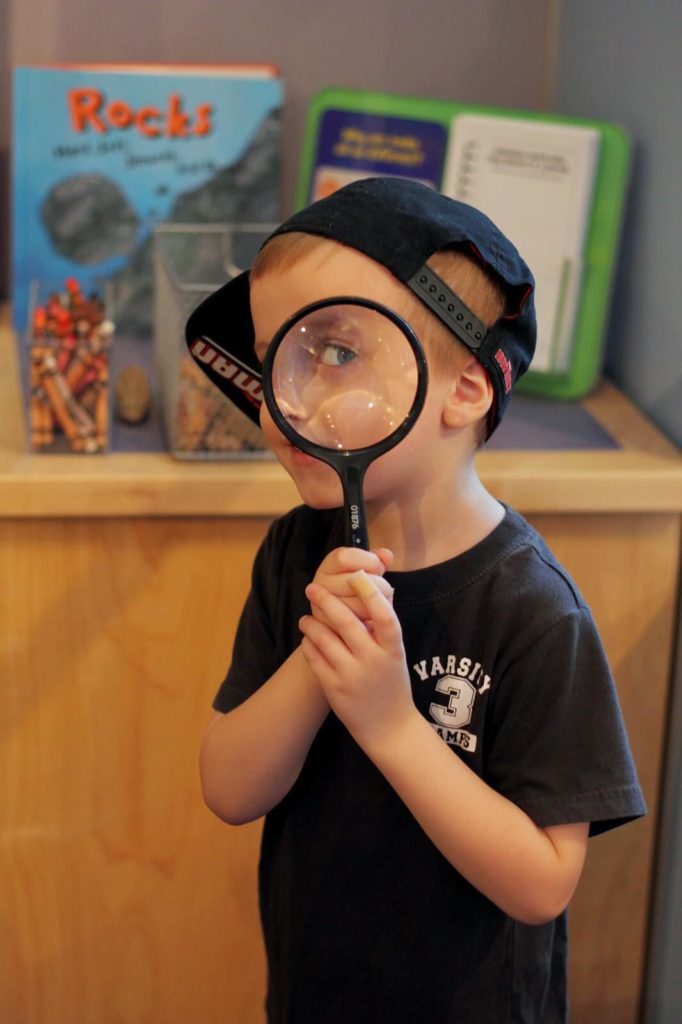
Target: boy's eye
[[335, 355]]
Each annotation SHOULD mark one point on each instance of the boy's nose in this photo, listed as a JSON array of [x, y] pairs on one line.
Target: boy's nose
[[292, 408]]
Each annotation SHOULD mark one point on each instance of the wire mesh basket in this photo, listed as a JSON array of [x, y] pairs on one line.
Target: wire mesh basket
[[190, 262]]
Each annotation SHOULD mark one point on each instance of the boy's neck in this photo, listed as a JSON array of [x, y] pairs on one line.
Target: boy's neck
[[449, 518]]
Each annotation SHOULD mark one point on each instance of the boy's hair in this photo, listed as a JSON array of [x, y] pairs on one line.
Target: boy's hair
[[464, 274]]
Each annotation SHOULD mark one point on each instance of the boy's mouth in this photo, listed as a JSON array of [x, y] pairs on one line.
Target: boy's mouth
[[301, 458]]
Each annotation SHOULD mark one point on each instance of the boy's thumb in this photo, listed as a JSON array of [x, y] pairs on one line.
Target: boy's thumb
[[361, 584]]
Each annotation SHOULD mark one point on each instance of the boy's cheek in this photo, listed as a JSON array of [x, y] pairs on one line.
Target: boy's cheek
[[273, 437], [387, 471], [266, 422]]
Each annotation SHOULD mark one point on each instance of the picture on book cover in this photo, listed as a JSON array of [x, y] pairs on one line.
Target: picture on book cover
[[351, 145]]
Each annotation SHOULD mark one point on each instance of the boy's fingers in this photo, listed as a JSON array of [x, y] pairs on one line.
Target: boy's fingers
[[352, 559], [345, 587], [341, 619], [382, 628], [385, 555], [379, 607], [362, 585], [327, 642], [359, 558]]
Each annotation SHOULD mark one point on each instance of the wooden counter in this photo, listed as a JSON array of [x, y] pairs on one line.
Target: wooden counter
[[122, 580]]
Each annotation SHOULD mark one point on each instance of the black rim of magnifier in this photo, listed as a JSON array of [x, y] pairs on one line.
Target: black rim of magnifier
[[349, 463]]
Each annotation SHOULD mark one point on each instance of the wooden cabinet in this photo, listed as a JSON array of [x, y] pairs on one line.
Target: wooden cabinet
[[122, 898]]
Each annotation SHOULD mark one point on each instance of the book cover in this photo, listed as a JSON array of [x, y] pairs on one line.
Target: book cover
[[104, 154]]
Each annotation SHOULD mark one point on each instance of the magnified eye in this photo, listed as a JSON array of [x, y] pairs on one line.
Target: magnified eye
[[332, 354]]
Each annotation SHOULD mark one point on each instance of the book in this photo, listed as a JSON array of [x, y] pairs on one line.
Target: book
[[535, 181], [102, 154], [555, 185]]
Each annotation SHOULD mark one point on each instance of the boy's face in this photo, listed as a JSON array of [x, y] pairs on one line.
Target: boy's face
[[332, 270]]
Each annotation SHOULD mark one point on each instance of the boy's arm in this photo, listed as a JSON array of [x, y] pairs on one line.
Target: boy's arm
[[251, 756], [527, 871]]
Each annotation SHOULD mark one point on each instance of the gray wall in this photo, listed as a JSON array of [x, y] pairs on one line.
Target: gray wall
[[490, 51], [620, 60]]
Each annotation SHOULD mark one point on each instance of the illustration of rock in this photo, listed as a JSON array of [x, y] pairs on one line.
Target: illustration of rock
[[244, 191], [89, 219]]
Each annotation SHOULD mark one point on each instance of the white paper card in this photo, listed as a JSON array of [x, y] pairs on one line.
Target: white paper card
[[535, 180]]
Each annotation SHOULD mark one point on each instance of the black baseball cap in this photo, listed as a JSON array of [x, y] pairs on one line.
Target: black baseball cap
[[399, 223]]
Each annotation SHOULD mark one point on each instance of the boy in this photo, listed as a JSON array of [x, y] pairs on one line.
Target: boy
[[433, 736]]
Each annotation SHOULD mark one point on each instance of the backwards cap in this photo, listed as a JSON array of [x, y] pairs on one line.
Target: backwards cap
[[400, 224]]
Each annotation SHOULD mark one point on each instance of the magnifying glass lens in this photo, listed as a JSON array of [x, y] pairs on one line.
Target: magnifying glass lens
[[345, 380], [345, 377]]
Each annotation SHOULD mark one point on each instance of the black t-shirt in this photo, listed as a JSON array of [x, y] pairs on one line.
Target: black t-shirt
[[364, 920]]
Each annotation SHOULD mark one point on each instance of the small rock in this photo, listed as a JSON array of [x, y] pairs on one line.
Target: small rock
[[132, 395]]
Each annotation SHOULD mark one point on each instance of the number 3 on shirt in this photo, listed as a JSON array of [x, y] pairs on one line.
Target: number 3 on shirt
[[460, 706]]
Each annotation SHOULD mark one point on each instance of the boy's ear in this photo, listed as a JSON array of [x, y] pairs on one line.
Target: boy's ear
[[469, 397]]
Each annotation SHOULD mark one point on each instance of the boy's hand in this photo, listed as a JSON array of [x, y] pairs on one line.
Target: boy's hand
[[361, 670], [336, 570]]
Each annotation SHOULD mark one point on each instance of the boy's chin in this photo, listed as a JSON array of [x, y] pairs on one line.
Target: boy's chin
[[321, 498], [319, 501], [320, 488]]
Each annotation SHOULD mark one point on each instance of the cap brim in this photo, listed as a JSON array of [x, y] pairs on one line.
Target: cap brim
[[220, 338]]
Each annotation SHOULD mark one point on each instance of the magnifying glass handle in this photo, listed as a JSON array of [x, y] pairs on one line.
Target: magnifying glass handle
[[355, 525]]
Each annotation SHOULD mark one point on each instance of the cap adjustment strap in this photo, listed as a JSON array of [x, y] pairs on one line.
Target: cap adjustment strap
[[457, 316]]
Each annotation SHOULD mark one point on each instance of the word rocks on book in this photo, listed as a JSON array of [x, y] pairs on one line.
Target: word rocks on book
[[88, 108]]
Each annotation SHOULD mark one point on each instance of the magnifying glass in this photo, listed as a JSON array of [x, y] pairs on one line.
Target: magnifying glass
[[344, 380]]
